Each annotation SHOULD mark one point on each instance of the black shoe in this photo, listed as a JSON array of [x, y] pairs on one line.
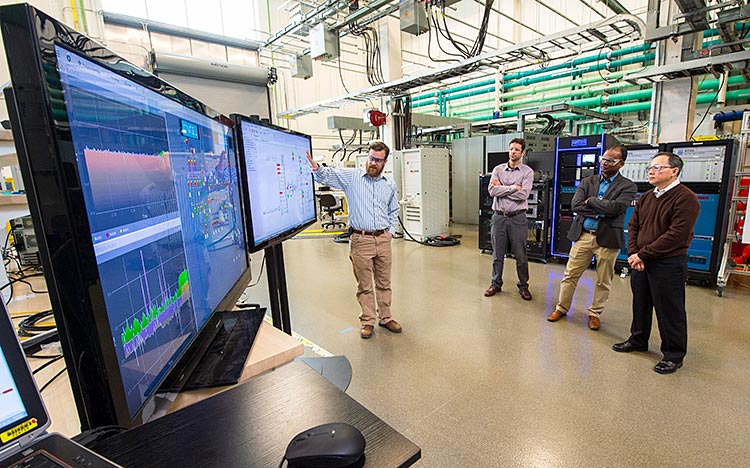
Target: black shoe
[[628, 347], [525, 294], [667, 367]]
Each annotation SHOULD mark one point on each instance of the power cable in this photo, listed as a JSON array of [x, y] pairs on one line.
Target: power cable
[[342, 76], [52, 360], [713, 101], [435, 241], [52, 379]]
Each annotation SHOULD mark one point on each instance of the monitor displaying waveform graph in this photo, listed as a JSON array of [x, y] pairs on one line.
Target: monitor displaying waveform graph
[[135, 334], [116, 160], [277, 180], [160, 270], [126, 188]]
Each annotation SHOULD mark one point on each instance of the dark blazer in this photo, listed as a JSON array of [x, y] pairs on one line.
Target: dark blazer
[[616, 200]]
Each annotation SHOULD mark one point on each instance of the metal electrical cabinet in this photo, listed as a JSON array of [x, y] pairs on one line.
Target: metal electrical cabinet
[[467, 165], [576, 158], [639, 158], [485, 214], [539, 214], [424, 173], [497, 147], [537, 219], [539, 211], [707, 172]]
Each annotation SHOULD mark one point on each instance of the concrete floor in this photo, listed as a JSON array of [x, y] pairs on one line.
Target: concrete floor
[[478, 381]]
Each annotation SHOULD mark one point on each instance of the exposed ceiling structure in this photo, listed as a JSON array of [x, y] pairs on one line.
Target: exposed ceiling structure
[[590, 25], [612, 32]]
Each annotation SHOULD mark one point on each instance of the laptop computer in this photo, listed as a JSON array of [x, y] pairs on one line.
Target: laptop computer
[[24, 441]]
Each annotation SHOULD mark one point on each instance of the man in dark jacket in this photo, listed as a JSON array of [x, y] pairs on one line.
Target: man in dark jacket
[[659, 235], [599, 203]]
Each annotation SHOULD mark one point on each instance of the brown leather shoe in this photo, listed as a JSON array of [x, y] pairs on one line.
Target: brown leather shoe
[[366, 331], [392, 326], [525, 294], [594, 323], [556, 315], [492, 290]]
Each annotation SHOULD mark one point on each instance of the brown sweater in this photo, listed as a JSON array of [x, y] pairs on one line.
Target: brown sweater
[[663, 227]]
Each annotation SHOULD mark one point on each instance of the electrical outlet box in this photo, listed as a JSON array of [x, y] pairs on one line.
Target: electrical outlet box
[[413, 18], [324, 43], [301, 66]]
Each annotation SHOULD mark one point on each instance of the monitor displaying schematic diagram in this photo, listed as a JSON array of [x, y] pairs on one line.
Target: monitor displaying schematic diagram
[[277, 181]]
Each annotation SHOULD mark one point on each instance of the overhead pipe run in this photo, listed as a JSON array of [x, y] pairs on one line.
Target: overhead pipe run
[[704, 98], [566, 65], [515, 76]]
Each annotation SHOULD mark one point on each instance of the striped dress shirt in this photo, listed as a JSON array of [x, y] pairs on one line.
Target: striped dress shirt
[[373, 204]]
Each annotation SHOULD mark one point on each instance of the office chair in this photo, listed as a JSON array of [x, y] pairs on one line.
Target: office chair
[[330, 205]]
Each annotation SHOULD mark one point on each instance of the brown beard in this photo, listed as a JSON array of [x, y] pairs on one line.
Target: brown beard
[[380, 171]]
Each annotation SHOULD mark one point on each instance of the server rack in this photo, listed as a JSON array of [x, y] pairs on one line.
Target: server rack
[[485, 214], [576, 158], [467, 164], [538, 214], [540, 204], [639, 158], [708, 173]]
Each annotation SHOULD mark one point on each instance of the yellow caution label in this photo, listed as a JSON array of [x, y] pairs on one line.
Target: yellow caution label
[[19, 430], [706, 138]]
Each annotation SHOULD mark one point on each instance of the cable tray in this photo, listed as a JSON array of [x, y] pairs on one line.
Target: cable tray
[[611, 32]]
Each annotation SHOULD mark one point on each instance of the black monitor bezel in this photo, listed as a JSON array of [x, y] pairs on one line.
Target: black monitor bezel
[[19, 367], [48, 164], [250, 231]]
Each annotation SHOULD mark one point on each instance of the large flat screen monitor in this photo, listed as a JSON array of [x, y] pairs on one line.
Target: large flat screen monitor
[[134, 191], [277, 179]]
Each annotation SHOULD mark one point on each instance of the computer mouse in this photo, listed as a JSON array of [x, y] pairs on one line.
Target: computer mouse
[[333, 445]]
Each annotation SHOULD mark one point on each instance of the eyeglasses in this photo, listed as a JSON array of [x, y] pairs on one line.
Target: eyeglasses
[[376, 160], [610, 161], [658, 167]]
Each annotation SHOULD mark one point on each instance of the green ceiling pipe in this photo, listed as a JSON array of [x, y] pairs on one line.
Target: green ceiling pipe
[[579, 61], [594, 57], [538, 89], [455, 89], [599, 66], [561, 97], [703, 98], [513, 76], [475, 92], [703, 85], [567, 84], [531, 90], [628, 96], [574, 93]]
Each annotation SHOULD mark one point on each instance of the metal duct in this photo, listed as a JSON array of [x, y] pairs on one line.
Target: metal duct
[[210, 69]]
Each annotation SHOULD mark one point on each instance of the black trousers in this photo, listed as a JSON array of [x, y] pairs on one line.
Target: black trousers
[[661, 286]]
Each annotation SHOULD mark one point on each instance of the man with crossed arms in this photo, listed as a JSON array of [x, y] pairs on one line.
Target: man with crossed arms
[[597, 231]]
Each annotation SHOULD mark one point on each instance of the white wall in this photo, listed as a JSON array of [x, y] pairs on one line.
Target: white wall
[[61, 11]]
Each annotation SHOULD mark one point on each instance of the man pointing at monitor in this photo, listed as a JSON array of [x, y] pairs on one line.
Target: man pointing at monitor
[[373, 216]]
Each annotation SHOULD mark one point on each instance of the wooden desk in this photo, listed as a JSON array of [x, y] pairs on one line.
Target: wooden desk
[[271, 348], [252, 423]]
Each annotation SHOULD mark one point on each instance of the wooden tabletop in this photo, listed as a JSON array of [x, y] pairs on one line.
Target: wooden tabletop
[[252, 423]]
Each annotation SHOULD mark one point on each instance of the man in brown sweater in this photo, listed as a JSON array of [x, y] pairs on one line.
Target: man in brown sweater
[[659, 234]]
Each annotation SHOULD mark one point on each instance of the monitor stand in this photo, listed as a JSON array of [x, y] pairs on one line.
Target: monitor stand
[[224, 360]]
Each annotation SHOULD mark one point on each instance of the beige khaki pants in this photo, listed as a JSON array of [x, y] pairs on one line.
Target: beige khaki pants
[[371, 260], [580, 259]]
